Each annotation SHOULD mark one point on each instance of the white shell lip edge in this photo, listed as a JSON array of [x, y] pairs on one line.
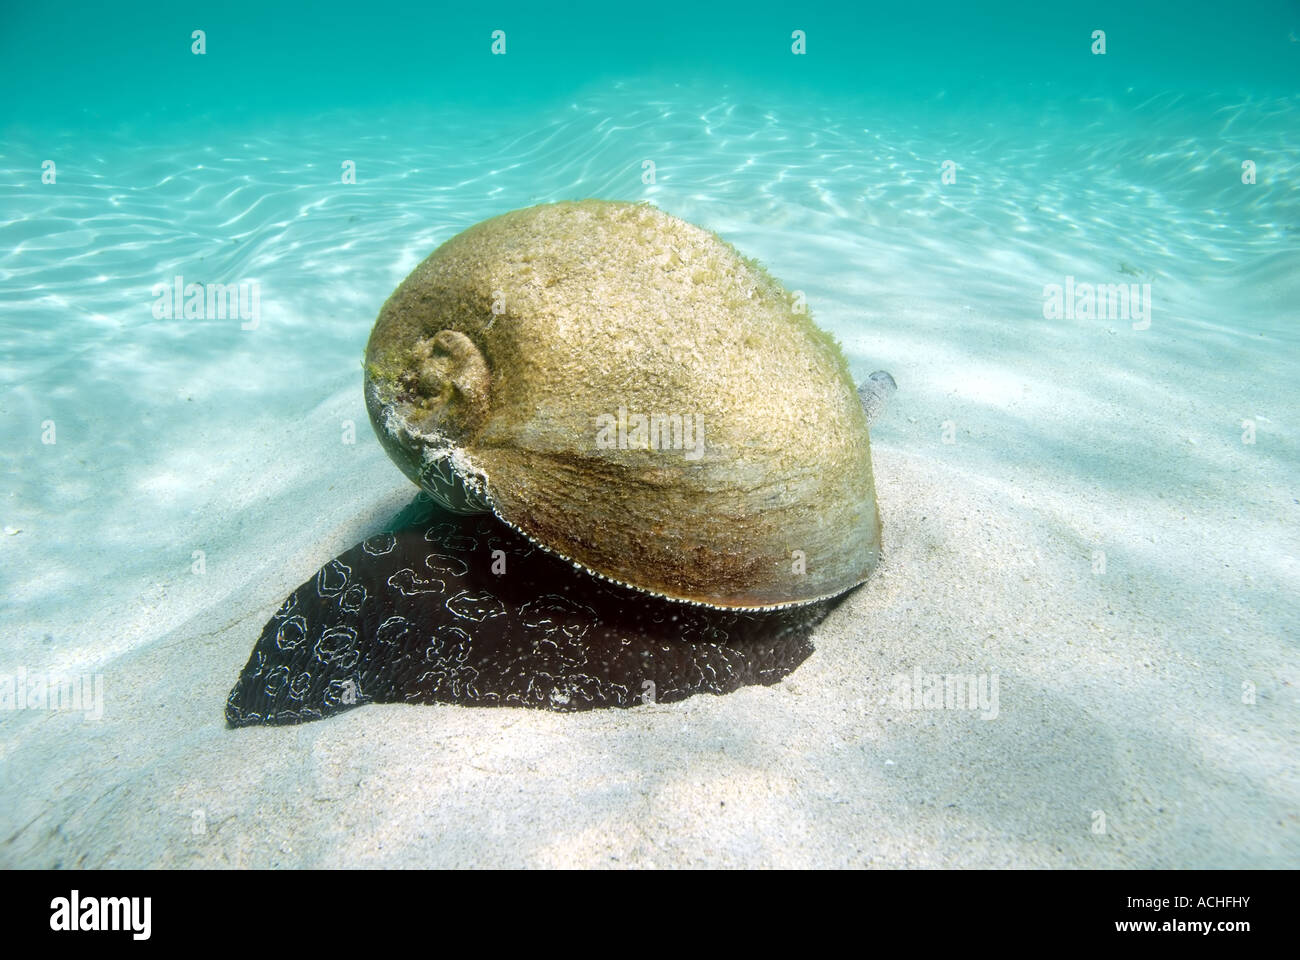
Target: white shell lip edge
[[435, 447]]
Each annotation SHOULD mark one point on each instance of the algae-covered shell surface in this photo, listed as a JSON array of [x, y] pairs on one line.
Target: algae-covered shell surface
[[632, 394]]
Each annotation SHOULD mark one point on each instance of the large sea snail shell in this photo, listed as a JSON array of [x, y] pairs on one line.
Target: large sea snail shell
[[631, 393]]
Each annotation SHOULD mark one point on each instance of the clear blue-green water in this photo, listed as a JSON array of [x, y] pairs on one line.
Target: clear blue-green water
[[176, 435]]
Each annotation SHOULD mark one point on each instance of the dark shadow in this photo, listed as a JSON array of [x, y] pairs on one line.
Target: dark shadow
[[442, 608]]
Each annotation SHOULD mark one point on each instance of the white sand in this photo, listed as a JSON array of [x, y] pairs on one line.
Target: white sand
[[1117, 692]]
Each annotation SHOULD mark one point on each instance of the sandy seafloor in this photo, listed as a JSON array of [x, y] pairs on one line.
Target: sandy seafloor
[[1119, 691]]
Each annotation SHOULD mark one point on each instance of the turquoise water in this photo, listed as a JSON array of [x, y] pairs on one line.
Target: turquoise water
[[221, 435]]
